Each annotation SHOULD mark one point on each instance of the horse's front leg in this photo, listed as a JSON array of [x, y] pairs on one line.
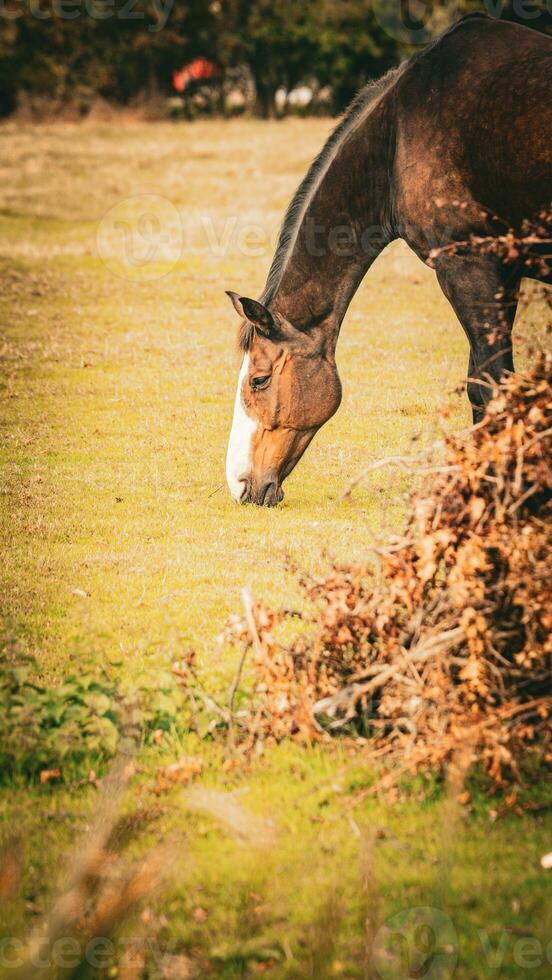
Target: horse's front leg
[[484, 296]]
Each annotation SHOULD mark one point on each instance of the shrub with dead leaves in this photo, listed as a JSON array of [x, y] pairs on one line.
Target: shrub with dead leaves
[[448, 644]]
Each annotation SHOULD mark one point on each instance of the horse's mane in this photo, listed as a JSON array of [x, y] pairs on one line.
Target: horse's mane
[[362, 102]]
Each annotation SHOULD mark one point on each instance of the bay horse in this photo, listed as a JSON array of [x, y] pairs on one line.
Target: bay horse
[[455, 142]]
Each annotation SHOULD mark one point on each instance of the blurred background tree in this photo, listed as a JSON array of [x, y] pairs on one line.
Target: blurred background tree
[[278, 41], [59, 54]]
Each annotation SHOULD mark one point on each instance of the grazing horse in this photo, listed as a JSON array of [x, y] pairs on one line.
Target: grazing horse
[[454, 143]]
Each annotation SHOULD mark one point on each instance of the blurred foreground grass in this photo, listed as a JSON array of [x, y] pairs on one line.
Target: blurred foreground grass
[[121, 544]]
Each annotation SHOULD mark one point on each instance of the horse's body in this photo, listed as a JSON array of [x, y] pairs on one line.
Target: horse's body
[[455, 142]]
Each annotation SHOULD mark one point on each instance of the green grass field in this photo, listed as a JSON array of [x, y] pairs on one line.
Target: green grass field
[[120, 541]]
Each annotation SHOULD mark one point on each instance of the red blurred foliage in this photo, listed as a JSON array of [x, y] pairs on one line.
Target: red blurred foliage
[[198, 70]]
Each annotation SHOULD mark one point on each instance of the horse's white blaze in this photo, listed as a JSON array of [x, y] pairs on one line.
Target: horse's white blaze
[[238, 456]]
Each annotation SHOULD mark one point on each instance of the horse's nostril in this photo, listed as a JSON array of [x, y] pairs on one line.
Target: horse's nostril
[[245, 496], [270, 494]]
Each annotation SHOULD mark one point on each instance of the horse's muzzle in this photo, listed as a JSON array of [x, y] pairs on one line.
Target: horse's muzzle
[[267, 494]]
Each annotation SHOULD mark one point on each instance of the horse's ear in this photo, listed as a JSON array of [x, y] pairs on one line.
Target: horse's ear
[[236, 302], [258, 314], [255, 312]]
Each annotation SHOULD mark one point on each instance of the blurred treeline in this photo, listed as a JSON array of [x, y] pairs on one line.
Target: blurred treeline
[[62, 53]]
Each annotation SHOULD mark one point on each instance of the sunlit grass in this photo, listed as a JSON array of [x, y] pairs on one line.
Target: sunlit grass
[[121, 392]]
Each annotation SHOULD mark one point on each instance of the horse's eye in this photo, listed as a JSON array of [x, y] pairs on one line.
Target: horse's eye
[[258, 383]]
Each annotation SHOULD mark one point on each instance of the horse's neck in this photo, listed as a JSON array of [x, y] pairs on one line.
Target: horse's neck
[[344, 226]]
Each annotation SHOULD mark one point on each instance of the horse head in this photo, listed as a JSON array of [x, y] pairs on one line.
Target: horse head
[[288, 387]]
